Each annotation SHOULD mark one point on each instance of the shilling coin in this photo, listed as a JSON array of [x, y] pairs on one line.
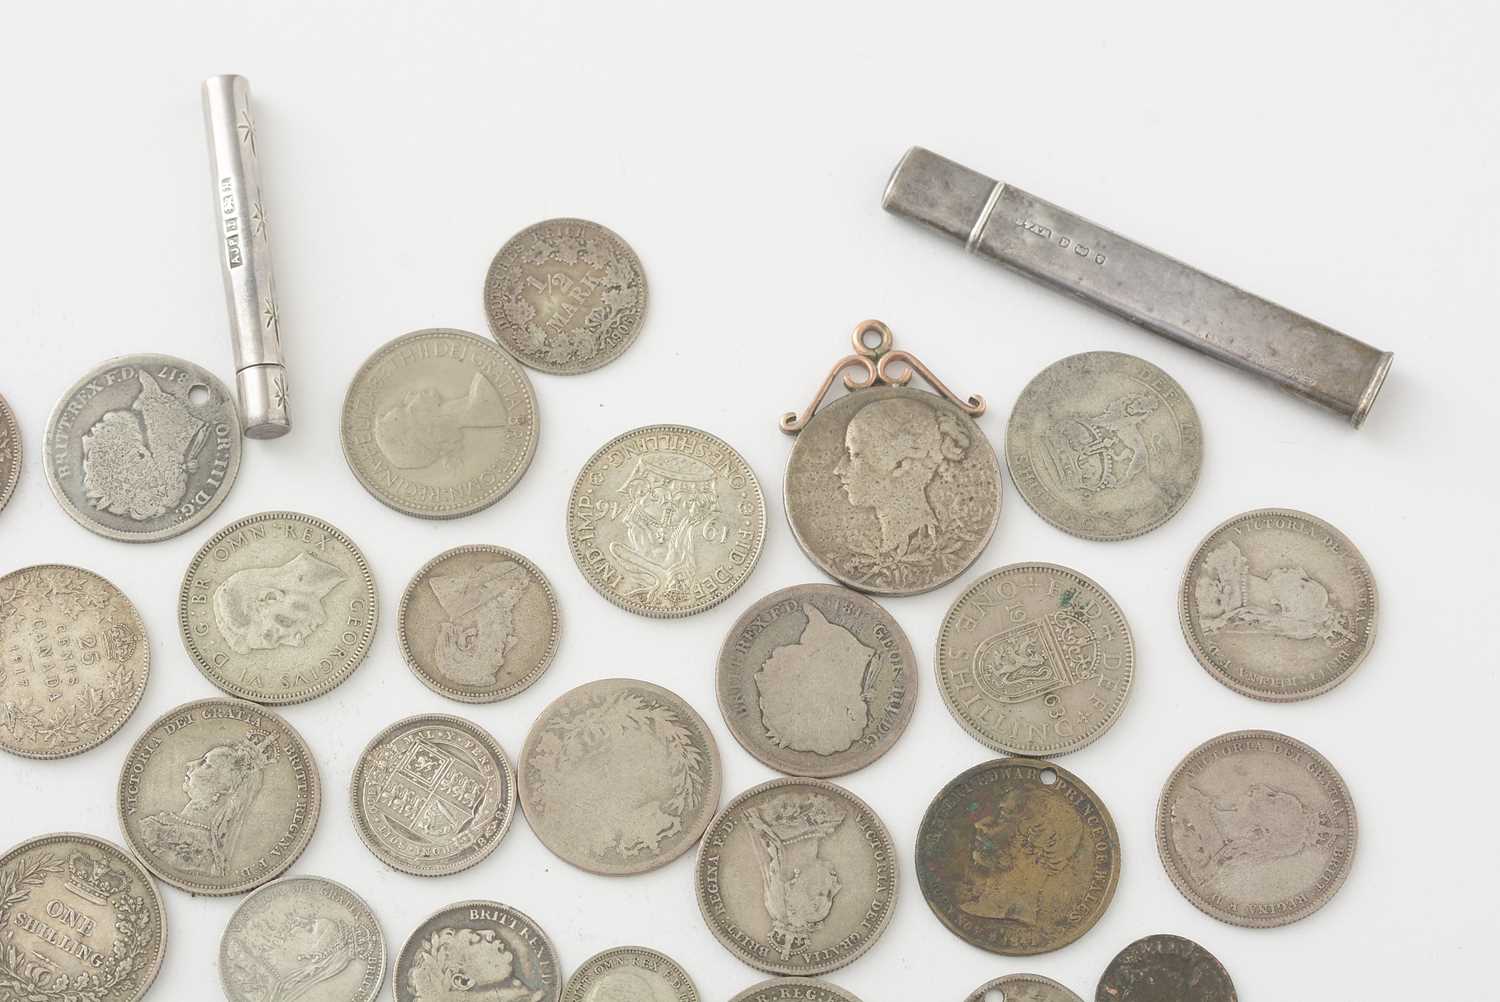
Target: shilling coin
[[1104, 445], [797, 877], [619, 776], [1256, 828], [565, 296], [439, 423], [302, 939], [83, 922], [277, 608], [1017, 856], [1278, 605], [666, 521], [1165, 968], [10, 452], [816, 680], [630, 974], [794, 990], [478, 623], [144, 447], [73, 660], [433, 795], [479, 948], [1024, 988], [219, 796], [1035, 659]]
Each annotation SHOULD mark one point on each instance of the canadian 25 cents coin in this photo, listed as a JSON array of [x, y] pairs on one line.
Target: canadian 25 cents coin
[[1164, 968], [794, 990], [1256, 829], [481, 948], [630, 974], [10, 452], [1025, 988]]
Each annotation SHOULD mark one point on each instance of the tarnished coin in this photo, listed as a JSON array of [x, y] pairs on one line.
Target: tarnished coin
[[797, 877], [816, 680], [1035, 659], [433, 795], [277, 608], [630, 974], [1018, 856], [73, 660], [302, 939], [1165, 968], [565, 296], [1256, 828], [83, 922], [439, 423], [619, 776], [478, 623], [219, 796], [1104, 445], [478, 950], [10, 452], [1024, 988], [666, 521], [1278, 605], [144, 447], [794, 990], [892, 491]]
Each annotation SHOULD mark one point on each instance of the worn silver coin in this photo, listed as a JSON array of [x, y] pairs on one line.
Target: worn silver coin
[[1165, 968], [1256, 829], [302, 939], [797, 877], [143, 447], [1022, 988], [479, 950], [478, 623], [619, 776], [433, 795], [10, 453], [439, 423], [630, 974], [1278, 605], [74, 659], [83, 922], [565, 296], [219, 796], [277, 608], [816, 680], [666, 521], [794, 990]]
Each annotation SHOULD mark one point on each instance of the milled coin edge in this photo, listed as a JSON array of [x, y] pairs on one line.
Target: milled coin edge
[[749, 994], [579, 978], [8, 488]]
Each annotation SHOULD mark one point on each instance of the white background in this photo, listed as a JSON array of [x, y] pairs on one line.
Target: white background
[[1337, 157]]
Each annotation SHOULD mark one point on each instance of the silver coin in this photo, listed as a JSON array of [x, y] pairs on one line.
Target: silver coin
[[816, 680], [478, 949], [794, 990], [565, 296], [219, 796], [666, 521], [630, 974], [1022, 988], [1104, 446], [73, 660], [83, 922], [797, 877], [1278, 605], [302, 939], [1035, 659], [478, 623], [439, 423], [433, 795], [277, 608], [1256, 829], [143, 447], [619, 776], [10, 452]]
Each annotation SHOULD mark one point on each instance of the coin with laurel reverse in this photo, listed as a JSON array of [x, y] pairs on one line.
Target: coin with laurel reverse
[[1024, 988], [1165, 968], [794, 990], [478, 948], [10, 452], [630, 974]]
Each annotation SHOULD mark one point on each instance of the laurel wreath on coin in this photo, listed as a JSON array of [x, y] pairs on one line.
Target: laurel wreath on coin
[[619, 299], [89, 714]]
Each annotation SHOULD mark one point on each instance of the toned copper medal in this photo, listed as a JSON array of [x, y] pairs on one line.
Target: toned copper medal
[[1165, 968]]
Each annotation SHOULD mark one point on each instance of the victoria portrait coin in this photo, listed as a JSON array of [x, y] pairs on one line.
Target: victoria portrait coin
[[816, 680], [83, 922], [619, 776], [219, 796], [478, 623], [666, 521], [1018, 856], [1165, 968], [1035, 659], [10, 452], [1278, 605], [1104, 445], [277, 608], [1256, 828], [1024, 988], [143, 447], [479, 948], [892, 491], [73, 660], [794, 990], [630, 974], [797, 877], [433, 795], [302, 939], [565, 296], [439, 424]]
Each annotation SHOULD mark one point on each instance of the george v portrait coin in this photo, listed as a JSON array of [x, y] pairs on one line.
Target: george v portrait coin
[[10, 453], [630, 974], [1165, 968], [794, 990], [1024, 988], [475, 944]]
